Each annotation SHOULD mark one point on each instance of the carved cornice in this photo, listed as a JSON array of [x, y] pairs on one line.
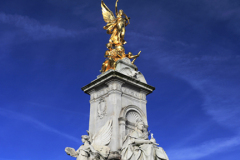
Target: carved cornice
[[114, 75]]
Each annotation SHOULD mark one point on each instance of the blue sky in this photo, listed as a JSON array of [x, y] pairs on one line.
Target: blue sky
[[49, 49]]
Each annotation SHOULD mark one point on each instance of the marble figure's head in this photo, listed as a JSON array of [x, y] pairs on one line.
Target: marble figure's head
[[139, 124], [85, 138]]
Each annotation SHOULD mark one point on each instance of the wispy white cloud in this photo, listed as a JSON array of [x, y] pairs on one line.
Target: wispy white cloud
[[224, 10], [212, 76], [33, 104], [36, 123], [34, 28], [146, 37], [224, 110], [205, 149]]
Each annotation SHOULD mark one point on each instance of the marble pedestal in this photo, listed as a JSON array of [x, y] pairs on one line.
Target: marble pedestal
[[119, 95]]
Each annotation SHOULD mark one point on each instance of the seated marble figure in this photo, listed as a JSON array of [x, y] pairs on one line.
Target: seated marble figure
[[137, 146]]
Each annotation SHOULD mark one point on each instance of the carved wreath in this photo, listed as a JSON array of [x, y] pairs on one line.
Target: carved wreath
[[101, 109]]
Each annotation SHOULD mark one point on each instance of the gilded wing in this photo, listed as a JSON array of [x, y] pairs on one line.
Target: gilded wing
[[108, 15], [103, 137]]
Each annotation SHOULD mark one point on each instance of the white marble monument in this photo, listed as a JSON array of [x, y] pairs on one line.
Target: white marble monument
[[118, 126], [118, 116]]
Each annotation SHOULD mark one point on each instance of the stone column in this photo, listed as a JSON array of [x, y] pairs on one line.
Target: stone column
[[115, 103]]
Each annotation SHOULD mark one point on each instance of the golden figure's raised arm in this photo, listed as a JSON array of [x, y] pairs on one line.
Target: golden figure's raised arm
[[116, 10], [134, 57], [127, 18]]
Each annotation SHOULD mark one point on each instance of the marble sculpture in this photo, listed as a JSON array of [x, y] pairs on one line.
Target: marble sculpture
[[118, 126]]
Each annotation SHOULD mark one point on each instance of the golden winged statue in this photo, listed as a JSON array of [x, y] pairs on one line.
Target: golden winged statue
[[115, 25]]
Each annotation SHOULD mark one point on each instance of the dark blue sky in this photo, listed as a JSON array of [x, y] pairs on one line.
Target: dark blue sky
[[49, 49]]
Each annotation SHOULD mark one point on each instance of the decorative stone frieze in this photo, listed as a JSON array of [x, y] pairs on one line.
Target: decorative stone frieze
[[131, 92]]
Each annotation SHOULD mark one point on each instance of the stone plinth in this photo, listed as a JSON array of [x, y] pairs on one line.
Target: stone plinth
[[120, 97]]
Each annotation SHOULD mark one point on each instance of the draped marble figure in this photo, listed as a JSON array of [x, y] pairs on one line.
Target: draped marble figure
[[137, 146], [94, 146], [84, 152]]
